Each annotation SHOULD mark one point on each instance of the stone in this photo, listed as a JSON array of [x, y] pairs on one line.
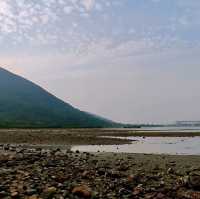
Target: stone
[[82, 191], [133, 178], [188, 194], [156, 167], [194, 180], [138, 190], [162, 183], [3, 194], [31, 192], [124, 191], [114, 174], [150, 195], [183, 181], [101, 171], [14, 194], [170, 171], [49, 192], [85, 174], [160, 196], [33, 197]]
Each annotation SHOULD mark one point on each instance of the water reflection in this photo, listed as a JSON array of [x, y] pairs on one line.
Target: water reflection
[[150, 145]]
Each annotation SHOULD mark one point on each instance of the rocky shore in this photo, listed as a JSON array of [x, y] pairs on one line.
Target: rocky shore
[[49, 173], [81, 136]]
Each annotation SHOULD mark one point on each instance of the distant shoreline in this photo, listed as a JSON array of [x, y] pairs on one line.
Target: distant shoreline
[[80, 136]]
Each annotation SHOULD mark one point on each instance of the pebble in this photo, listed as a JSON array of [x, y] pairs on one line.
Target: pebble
[[46, 174], [82, 191], [170, 171], [14, 194], [194, 180]]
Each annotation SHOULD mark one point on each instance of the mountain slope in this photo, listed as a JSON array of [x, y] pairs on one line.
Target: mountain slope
[[24, 104]]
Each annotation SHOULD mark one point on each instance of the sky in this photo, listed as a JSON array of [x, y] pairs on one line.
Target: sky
[[135, 61]]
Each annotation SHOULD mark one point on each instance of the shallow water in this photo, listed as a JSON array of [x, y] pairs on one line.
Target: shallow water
[[172, 129], [150, 145]]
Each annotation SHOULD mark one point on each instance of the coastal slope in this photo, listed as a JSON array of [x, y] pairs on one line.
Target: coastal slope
[[25, 104]]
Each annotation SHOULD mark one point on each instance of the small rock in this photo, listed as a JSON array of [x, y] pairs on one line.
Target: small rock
[[138, 190], [160, 196], [123, 191], [150, 195], [194, 180], [31, 192], [85, 174], [170, 171], [172, 163], [156, 167], [183, 181], [14, 194], [33, 197], [82, 191], [49, 192], [114, 174], [133, 178], [101, 171], [188, 194], [3, 194], [162, 183]]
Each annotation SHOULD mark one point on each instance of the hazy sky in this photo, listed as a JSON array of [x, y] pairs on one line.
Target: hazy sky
[[128, 60]]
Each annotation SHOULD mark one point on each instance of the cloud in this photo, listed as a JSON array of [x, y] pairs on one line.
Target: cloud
[[155, 1], [88, 4], [189, 4], [136, 55], [68, 9]]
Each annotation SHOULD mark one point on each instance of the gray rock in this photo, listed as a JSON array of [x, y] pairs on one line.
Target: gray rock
[[194, 180], [31, 192]]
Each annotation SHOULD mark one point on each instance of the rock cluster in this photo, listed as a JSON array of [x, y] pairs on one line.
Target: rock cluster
[[46, 174]]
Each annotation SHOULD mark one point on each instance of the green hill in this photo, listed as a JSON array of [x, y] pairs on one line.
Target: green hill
[[24, 104]]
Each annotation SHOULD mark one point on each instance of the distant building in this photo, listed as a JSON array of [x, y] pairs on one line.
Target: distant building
[[188, 123]]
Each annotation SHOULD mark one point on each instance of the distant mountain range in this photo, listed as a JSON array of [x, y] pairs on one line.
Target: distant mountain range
[[24, 104]]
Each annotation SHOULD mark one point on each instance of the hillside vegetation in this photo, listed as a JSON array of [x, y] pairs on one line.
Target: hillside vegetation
[[25, 104]]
